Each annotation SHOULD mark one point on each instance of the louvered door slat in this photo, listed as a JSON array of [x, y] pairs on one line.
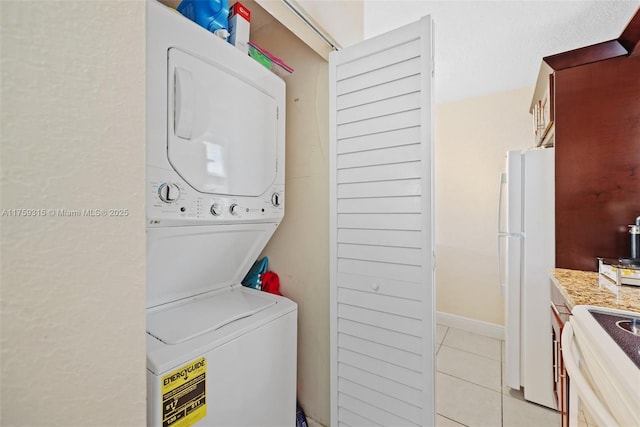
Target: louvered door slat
[[397, 288], [392, 138], [379, 189], [380, 156], [376, 221], [407, 256], [378, 60], [393, 355], [395, 171], [406, 239], [402, 324], [383, 91], [374, 301], [388, 337], [378, 124], [380, 205], [401, 391], [380, 367], [364, 408], [349, 419], [410, 273], [381, 400], [392, 72], [395, 104], [381, 231]]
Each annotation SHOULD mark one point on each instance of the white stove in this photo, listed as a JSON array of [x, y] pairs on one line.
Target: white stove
[[601, 350]]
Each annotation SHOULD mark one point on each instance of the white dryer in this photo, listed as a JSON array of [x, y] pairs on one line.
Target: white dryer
[[217, 353]]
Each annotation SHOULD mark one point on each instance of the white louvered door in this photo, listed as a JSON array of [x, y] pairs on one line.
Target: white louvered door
[[381, 230]]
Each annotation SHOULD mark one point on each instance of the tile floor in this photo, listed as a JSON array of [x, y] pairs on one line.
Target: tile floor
[[469, 387]]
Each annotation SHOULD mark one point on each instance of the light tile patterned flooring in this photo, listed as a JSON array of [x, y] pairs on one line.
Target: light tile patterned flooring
[[469, 386]]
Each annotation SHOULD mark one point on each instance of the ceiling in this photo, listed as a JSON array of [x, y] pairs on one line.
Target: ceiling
[[483, 47]]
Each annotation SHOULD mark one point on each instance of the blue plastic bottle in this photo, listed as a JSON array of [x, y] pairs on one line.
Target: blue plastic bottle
[[210, 14]]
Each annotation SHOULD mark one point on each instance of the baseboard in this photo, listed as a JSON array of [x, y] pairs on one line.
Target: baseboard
[[480, 327]]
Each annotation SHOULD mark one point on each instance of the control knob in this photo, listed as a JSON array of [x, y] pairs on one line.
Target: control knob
[[168, 192], [275, 199], [233, 209], [215, 209]]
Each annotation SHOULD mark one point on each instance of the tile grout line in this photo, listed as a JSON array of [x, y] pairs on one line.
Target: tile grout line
[[471, 352], [442, 344], [505, 396], [467, 380], [444, 336], [451, 419], [441, 341], [470, 382]]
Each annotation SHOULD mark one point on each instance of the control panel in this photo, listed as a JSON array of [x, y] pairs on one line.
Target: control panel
[[171, 201]]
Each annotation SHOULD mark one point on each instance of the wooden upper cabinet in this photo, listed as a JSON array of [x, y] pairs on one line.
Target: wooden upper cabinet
[[597, 148], [594, 124], [542, 107], [630, 37]]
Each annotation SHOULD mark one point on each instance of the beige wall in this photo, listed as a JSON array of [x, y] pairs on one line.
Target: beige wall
[[73, 299], [472, 137], [72, 288], [343, 20], [299, 251]]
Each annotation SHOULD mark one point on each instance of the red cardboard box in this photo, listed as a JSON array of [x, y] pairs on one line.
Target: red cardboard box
[[239, 22]]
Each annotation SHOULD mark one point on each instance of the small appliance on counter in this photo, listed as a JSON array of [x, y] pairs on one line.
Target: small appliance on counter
[[619, 273], [624, 271], [634, 250]]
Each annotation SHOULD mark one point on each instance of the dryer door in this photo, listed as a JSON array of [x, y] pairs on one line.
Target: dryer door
[[222, 131]]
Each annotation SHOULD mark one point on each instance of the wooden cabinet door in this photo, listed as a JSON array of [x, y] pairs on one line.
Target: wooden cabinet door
[[381, 230]]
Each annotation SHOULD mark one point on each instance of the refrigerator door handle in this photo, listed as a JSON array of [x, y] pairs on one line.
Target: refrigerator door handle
[[500, 283], [503, 181], [501, 233]]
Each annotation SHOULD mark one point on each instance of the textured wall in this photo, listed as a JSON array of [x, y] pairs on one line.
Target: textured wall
[[72, 117], [299, 251], [343, 20], [472, 137], [485, 47]]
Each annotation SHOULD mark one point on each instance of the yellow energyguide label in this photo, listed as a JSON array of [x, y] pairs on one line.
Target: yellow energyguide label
[[184, 401]]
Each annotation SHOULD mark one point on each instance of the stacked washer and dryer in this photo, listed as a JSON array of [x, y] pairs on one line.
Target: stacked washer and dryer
[[217, 353]]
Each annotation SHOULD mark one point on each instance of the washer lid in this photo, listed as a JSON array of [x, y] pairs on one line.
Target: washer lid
[[190, 318]]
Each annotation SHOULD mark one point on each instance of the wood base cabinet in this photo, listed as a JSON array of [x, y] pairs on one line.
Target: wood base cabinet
[[560, 313]]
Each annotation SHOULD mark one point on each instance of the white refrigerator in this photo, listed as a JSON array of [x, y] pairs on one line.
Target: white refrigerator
[[526, 254]]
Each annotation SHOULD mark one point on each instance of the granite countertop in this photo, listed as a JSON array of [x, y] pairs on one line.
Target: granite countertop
[[586, 288]]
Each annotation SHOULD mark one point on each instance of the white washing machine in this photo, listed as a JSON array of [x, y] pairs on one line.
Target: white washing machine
[[217, 353]]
